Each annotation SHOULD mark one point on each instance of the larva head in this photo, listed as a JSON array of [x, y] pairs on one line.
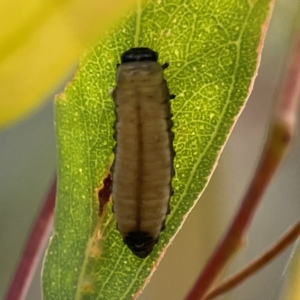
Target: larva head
[[139, 54], [139, 67]]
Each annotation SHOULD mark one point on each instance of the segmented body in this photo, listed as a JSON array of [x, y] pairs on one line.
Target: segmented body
[[143, 167]]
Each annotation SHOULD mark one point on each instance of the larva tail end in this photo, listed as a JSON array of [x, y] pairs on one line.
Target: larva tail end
[[141, 243]]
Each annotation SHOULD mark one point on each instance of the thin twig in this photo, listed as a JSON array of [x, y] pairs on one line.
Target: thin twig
[[36, 242], [280, 134], [234, 237], [288, 238]]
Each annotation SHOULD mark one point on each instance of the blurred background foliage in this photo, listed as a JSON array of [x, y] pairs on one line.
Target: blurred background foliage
[[40, 42], [41, 48]]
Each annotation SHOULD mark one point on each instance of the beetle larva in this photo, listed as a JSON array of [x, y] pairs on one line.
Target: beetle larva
[[143, 166]]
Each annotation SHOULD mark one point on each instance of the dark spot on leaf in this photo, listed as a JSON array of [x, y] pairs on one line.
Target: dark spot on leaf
[[104, 194]]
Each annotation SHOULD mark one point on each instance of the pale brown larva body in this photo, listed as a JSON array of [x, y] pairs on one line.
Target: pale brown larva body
[[143, 167]]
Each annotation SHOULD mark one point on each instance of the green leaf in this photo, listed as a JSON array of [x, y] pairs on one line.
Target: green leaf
[[291, 284], [213, 49]]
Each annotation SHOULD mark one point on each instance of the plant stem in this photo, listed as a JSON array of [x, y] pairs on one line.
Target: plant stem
[[280, 135], [289, 237], [234, 238], [33, 250]]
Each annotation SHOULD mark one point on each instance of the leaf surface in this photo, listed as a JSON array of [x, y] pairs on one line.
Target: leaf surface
[[213, 48], [291, 284]]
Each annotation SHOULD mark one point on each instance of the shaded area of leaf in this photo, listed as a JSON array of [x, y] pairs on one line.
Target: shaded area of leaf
[[212, 51], [291, 288]]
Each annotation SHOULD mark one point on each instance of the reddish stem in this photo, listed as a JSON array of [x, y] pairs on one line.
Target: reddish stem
[[280, 135], [289, 237], [36, 243], [233, 239]]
